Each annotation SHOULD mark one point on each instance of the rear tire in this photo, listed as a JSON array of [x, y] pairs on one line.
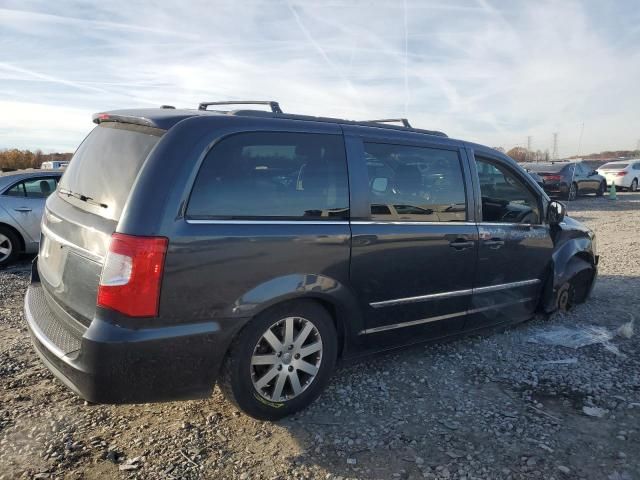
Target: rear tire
[[267, 374], [634, 185], [9, 246], [601, 189]]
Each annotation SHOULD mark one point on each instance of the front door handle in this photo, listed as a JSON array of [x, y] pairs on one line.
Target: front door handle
[[461, 244], [22, 209], [494, 243]]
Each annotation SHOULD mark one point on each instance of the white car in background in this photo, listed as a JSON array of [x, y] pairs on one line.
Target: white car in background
[[22, 197], [623, 174]]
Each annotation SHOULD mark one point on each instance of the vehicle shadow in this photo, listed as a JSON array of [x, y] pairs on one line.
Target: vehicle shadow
[[23, 263], [453, 405]]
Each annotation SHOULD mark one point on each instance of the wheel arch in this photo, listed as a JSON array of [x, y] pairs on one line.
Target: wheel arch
[[335, 297], [17, 234], [573, 258]]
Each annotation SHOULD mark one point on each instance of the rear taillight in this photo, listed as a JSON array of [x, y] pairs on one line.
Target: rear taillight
[[621, 174], [553, 178], [132, 275]]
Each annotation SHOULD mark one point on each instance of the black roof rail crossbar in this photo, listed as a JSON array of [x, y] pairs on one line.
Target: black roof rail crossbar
[[275, 107], [403, 121]]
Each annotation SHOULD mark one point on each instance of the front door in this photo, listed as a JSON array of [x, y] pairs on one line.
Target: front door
[[25, 203], [515, 245], [413, 259]]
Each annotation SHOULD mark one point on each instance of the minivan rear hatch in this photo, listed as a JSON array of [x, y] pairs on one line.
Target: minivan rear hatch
[[83, 213]]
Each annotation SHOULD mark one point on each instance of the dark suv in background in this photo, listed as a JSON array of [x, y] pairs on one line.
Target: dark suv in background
[[568, 179], [256, 248]]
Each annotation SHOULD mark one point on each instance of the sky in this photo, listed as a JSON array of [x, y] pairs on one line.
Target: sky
[[493, 72]]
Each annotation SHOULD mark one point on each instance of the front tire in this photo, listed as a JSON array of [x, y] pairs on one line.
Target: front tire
[[634, 185], [601, 189], [9, 246], [566, 295], [281, 361], [573, 192]]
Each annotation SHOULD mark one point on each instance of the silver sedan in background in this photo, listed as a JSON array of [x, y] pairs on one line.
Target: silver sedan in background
[[22, 197]]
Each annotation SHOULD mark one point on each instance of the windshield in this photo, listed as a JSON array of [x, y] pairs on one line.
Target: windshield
[[545, 167], [103, 169], [614, 166]]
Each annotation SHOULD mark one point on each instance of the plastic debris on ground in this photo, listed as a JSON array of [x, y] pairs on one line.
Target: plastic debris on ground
[[576, 337], [594, 411]]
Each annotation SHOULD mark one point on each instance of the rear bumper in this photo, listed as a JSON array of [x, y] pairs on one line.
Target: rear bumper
[[111, 364], [552, 189], [623, 182]]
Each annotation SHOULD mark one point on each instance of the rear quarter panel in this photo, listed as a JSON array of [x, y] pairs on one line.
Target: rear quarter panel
[[227, 272]]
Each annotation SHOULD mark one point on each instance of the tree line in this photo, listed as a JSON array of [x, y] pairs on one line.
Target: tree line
[[521, 155], [15, 159]]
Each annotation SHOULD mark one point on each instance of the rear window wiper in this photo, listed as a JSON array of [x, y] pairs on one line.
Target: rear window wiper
[[82, 197]]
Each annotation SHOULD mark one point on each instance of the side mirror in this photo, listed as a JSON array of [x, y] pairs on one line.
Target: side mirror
[[556, 212]]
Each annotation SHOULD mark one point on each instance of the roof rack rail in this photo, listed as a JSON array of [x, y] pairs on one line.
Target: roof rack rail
[[275, 107], [403, 121]]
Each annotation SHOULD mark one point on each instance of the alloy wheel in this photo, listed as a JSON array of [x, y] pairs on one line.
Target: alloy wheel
[[5, 247], [286, 359]]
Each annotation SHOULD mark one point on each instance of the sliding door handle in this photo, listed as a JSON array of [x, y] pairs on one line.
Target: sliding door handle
[[494, 243], [461, 244]]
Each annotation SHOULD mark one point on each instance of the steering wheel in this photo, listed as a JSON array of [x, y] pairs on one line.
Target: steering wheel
[[514, 216]]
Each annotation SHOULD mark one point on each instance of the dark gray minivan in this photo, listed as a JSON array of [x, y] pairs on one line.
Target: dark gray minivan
[[256, 248]]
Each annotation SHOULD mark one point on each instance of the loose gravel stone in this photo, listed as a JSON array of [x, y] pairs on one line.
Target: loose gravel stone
[[490, 406]]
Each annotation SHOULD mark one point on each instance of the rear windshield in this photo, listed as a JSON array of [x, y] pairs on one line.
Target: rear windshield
[[614, 166], [105, 166], [545, 167]]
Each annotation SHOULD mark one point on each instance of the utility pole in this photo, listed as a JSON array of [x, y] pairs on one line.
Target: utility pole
[[580, 141], [528, 157], [554, 153]]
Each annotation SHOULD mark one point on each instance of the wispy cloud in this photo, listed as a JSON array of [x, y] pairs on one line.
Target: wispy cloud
[[487, 71]]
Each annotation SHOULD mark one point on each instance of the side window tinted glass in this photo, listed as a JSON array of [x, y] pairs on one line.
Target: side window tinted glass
[[415, 184], [273, 175], [16, 191], [505, 198], [636, 166], [39, 187]]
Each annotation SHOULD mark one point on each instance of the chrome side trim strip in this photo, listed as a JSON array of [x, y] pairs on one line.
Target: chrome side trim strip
[[267, 222], [453, 293], [54, 236], [504, 286], [510, 224], [421, 298], [391, 222], [413, 323]]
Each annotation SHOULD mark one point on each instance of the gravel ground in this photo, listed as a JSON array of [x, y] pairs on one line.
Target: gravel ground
[[499, 406]]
